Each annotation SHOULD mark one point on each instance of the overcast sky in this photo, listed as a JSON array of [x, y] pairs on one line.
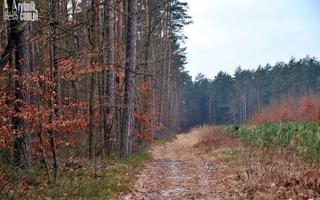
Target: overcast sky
[[229, 33]]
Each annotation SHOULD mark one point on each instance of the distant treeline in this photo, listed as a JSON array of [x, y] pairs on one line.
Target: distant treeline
[[235, 99]]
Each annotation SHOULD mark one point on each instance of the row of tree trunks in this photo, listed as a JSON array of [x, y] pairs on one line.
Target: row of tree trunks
[[87, 65]]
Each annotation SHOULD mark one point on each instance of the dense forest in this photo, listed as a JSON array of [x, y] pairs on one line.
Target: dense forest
[[95, 75], [234, 99], [108, 76]]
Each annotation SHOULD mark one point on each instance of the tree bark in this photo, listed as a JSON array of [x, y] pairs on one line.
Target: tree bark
[[56, 104], [110, 77], [21, 45], [92, 109], [127, 118]]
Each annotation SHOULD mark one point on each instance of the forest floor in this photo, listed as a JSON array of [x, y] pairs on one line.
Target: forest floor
[[180, 170], [80, 179]]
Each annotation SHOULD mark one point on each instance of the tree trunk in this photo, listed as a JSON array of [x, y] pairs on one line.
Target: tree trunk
[[110, 79], [127, 119], [56, 104], [91, 117], [23, 68], [92, 110]]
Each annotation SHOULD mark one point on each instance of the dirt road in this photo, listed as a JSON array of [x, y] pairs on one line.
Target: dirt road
[[176, 173]]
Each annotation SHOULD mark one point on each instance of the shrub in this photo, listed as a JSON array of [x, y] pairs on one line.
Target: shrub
[[303, 109], [214, 137], [302, 139]]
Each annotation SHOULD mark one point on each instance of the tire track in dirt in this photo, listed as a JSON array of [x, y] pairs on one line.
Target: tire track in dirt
[[176, 173]]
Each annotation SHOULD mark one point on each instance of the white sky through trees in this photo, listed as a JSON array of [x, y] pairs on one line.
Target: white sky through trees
[[229, 33]]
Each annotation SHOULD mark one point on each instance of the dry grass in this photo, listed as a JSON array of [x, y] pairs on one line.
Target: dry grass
[[215, 137], [106, 180], [280, 173], [245, 172]]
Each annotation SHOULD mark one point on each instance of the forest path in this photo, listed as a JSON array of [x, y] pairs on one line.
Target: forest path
[[176, 173]]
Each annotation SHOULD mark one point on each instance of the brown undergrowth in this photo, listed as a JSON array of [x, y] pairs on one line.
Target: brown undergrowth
[[280, 173], [245, 172], [293, 109], [215, 137]]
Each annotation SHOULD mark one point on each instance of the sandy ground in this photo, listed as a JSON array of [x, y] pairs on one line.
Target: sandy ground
[[187, 169], [176, 173]]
